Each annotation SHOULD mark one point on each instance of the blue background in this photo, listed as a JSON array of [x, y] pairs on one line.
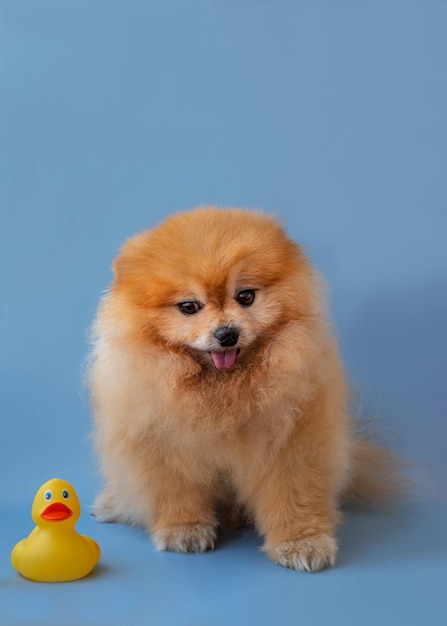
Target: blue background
[[115, 113]]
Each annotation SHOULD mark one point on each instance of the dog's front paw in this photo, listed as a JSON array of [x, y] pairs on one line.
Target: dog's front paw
[[185, 538], [307, 555]]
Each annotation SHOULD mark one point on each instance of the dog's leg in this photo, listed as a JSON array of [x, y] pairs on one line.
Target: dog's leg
[[182, 515], [298, 526], [294, 501]]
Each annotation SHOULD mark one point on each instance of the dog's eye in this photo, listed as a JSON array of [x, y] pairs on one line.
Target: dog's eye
[[189, 308], [246, 297]]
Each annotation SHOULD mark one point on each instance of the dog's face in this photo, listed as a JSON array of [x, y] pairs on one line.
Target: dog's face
[[215, 284], [218, 322]]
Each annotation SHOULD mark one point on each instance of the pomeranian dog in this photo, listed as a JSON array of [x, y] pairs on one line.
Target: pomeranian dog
[[218, 390]]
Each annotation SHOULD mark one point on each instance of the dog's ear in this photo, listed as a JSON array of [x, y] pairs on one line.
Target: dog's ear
[[131, 255], [123, 267], [116, 266]]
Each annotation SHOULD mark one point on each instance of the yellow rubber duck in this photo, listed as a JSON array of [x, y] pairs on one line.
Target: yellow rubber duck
[[54, 551]]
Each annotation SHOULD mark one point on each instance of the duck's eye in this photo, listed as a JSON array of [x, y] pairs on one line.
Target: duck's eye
[[189, 308], [48, 495], [246, 297], [65, 494]]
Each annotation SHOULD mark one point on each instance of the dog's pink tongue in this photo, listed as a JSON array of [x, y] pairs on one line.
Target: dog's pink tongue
[[224, 360]]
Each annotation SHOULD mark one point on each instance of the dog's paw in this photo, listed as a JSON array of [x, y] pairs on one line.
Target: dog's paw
[[105, 508], [185, 538], [306, 555]]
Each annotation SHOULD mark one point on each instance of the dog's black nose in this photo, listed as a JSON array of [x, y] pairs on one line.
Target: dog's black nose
[[227, 336]]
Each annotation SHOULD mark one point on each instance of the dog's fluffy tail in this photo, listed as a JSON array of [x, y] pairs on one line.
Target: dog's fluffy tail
[[378, 475]]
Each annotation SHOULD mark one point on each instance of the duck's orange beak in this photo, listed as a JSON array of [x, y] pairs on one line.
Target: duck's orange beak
[[56, 512]]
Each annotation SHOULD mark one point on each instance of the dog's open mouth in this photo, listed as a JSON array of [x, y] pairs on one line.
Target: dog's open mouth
[[224, 359]]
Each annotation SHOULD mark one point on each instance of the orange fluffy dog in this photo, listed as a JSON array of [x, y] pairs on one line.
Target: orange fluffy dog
[[216, 382]]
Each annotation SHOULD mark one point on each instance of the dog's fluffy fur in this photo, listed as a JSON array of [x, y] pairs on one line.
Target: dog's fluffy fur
[[191, 422]]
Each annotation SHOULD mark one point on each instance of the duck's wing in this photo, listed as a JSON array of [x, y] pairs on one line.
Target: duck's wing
[[95, 547]]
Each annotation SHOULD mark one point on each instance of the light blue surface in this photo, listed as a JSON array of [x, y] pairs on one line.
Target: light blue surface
[[331, 114]]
